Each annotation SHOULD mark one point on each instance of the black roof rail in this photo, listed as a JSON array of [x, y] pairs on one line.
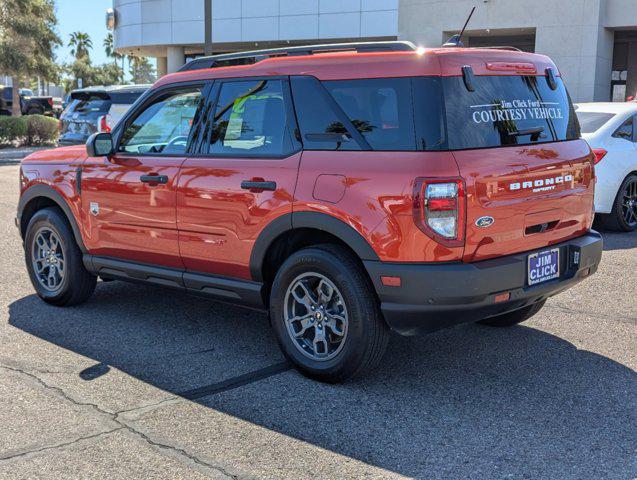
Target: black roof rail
[[254, 56], [503, 47]]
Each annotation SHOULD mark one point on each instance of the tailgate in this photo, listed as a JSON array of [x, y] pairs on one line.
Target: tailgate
[[526, 197]]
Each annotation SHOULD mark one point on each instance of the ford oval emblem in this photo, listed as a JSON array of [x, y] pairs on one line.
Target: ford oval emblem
[[484, 222]]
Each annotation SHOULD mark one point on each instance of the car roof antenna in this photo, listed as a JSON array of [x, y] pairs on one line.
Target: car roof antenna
[[455, 41]]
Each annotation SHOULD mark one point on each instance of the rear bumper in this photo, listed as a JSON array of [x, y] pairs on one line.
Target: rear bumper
[[435, 296]]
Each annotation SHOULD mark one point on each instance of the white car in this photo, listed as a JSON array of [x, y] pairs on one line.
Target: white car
[[611, 131]]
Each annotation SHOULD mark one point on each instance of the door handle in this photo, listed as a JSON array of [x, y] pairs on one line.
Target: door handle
[[258, 186], [154, 179]]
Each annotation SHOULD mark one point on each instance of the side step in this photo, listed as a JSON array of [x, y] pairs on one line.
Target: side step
[[241, 292]]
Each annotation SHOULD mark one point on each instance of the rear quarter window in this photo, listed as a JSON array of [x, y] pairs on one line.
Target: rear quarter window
[[507, 110], [380, 109], [592, 121]]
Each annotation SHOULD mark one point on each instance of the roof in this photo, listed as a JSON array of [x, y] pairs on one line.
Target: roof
[[607, 107], [351, 65], [114, 88]]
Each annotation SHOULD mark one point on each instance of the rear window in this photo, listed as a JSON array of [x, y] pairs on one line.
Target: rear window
[[507, 110], [592, 121], [90, 105]]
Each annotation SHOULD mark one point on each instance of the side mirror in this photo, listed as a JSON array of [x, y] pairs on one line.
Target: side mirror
[[99, 145]]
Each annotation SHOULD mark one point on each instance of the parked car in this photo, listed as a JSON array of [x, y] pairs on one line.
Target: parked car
[[611, 130], [58, 107], [96, 109], [347, 190], [29, 103]]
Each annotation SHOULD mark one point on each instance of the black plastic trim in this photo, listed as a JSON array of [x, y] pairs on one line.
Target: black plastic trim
[[315, 220], [241, 292], [435, 296], [45, 191]]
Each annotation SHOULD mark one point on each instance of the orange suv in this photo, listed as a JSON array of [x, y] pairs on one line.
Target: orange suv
[[349, 190]]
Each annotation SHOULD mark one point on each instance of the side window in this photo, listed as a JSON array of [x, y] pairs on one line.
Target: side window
[[380, 109], [250, 119], [321, 126], [163, 126], [626, 130]]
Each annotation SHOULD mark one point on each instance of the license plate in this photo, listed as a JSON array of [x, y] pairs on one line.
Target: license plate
[[544, 266]]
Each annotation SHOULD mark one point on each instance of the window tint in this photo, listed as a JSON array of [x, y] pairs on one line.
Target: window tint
[[592, 121], [380, 109], [625, 131], [321, 126], [250, 119], [507, 110], [163, 126], [125, 97], [429, 113], [90, 105]]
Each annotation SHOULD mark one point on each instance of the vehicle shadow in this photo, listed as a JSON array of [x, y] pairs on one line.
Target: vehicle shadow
[[619, 241], [466, 402]]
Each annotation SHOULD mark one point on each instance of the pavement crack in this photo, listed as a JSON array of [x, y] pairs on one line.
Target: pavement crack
[[59, 391], [181, 452], [56, 446], [184, 455]]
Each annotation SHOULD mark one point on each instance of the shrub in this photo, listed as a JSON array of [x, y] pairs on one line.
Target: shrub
[[13, 130], [41, 130]]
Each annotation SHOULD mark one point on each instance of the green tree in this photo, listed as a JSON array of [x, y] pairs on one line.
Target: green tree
[[141, 70], [80, 44], [27, 42], [109, 47], [107, 74]]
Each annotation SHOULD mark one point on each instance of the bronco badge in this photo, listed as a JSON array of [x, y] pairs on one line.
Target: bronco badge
[[484, 222]]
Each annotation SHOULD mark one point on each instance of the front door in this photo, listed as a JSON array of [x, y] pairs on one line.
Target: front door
[[240, 177], [129, 199]]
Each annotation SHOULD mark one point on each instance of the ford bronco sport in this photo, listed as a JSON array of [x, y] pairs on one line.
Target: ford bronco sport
[[349, 190]]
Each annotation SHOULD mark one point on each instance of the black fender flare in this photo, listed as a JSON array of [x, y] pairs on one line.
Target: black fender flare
[[45, 191], [316, 220]]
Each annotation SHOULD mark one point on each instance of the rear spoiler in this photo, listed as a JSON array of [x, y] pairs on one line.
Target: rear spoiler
[[468, 76], [88, 95]]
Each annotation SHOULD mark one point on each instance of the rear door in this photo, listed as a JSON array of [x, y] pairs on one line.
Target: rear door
[[241, 177], [129, 199], [529, 177]]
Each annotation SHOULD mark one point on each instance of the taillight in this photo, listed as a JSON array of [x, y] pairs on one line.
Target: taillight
[[439, 209], [103, 124], [599, 154], [50, 100]]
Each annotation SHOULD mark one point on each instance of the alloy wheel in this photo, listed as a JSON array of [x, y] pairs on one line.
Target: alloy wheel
[[315, 316], [629, 203], [48, 259]]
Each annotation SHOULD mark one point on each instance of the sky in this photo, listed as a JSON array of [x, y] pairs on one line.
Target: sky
[[88, 16]]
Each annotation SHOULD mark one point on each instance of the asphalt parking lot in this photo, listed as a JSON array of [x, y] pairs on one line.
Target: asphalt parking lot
[[144, 382]]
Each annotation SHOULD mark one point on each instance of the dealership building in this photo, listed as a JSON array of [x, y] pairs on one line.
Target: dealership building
[[593, 42]]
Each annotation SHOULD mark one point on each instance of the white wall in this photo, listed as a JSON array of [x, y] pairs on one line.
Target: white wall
[[150, 23]]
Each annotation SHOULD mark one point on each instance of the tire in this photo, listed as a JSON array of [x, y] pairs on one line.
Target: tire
[[35, 111], [68, 282], [623, 216], [364, 334], [514, 317]]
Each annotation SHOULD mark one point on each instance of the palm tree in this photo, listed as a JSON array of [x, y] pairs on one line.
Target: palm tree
[[109, 47], [81, 43]]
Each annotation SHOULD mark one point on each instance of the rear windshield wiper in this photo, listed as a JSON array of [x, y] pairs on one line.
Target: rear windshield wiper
[[535, 132]]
